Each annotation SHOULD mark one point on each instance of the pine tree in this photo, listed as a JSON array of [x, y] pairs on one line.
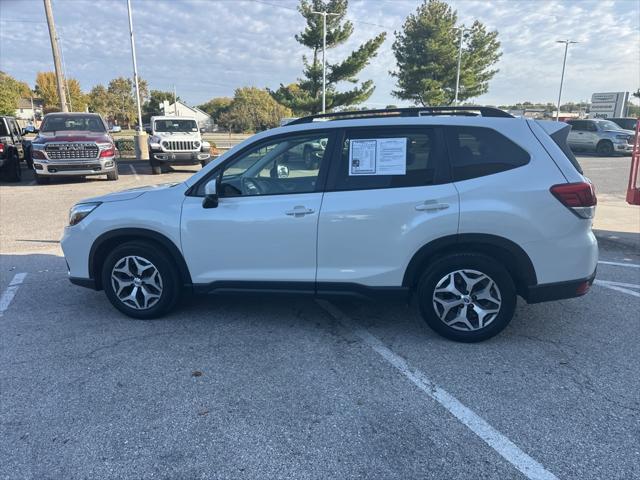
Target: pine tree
[[305, 96], [426, 53]]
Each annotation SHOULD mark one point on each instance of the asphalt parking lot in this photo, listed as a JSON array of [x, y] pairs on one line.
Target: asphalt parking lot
[[260, 387]]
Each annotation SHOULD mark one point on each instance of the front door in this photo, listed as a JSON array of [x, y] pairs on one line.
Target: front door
[[264, 228]]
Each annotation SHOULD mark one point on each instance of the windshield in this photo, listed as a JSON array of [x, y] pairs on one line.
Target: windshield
[[175, 126], [608, 125], [59, 123]]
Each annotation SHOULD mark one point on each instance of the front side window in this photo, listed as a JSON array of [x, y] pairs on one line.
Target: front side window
[[477, 151], [388, 158], [61, 123], [608, 125], [287, 165]]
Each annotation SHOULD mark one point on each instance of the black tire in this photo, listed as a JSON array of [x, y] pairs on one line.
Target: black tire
[[113, 175], [169, 293], [487, 266], [28, 159], [156, 167], [206, 162], [41, 180], [605, 148], [12, 171]]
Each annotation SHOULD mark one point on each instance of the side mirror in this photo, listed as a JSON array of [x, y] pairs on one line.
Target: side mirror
[[148, 130], [211, 194], [202, 130], [283, 171]]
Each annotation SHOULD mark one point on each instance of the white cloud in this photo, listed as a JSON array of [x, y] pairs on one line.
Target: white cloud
[[207, 48]]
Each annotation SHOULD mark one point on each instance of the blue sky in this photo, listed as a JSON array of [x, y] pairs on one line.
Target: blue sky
[[208, 48]]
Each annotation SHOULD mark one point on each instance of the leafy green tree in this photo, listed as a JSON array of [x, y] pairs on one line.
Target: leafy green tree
[[47, 89], [10, 92], [305, 96], [216, 107], [152, 106], [426, 53], [99, 101], [122, 100], [252, 110]]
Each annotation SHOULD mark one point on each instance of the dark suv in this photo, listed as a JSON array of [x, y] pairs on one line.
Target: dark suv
[[626, 123], [11, 149]]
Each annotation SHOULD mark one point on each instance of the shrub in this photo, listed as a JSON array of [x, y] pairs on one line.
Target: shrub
[[125, 145]]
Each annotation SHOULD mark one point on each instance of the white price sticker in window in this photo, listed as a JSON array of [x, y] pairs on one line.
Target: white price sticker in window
[[378, 156]]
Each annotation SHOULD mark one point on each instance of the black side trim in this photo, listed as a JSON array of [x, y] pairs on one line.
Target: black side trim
[[515, 258], [114, 237], [84, 282], [241, 286], [557, 291], [322, 289]]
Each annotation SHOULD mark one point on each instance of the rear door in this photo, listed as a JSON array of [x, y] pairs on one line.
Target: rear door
[[579, 136], [387, 195]]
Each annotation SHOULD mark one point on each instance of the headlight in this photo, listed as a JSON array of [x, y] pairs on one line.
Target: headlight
[[196, 144], [622, 137], [81, 210]]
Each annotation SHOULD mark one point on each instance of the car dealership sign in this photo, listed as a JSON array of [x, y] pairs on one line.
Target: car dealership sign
[[607, 105]]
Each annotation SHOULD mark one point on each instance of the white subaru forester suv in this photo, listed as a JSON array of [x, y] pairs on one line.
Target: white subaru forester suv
[[462, 210]]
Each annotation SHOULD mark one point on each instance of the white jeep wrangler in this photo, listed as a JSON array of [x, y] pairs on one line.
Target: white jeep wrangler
[[176, 141]]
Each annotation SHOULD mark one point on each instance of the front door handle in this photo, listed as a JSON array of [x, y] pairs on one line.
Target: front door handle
[[299, 211], [431, 206]]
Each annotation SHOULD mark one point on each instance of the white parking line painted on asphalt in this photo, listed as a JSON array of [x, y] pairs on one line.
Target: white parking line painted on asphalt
[[620, 264], [10, 292], [134, 171], [501, 444], [615, 286]]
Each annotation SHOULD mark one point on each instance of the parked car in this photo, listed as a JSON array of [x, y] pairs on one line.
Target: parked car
[[73, 144], [11, 149], [176, 141], [462, 213], [625, 123], [601, 136]]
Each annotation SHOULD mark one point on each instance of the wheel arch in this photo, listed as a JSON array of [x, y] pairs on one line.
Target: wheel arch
[[109, 240], [511, 255]]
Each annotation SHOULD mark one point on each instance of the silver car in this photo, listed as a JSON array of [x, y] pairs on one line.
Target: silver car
[[601, 136]]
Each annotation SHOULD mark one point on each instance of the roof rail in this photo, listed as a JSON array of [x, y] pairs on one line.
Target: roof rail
[[405, 112]]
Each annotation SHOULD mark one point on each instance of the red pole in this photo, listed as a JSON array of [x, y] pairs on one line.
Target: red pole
[[633, 190]]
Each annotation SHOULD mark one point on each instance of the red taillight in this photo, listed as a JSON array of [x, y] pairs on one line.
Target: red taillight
[[109, 152], [1, 147], [583, 287], [580, 198]]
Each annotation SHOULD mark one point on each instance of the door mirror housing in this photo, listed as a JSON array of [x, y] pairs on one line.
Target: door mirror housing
[[211, 194]]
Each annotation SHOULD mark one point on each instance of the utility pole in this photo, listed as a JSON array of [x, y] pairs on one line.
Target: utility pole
[[564, 63], [462, 30], [56, 56], [324, 58], [142, 149], [175, 101]]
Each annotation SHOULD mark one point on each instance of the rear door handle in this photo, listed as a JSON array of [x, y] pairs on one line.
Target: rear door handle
[[431, 206], [299, 211]]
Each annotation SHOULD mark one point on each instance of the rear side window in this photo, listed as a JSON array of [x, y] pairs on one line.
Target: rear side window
[[476, 152], [560, 139], [4, 131], [388, 158]]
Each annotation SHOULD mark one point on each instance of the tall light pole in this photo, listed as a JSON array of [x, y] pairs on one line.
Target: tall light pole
[[462, 30], [564, 63], [142, 149], [56, 56], [324, 59]]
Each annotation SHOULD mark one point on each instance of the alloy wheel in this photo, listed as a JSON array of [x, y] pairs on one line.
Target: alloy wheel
[[467, 300], [136, 282]]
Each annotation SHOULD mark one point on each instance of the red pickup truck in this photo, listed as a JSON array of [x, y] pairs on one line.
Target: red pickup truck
[[73, 144]]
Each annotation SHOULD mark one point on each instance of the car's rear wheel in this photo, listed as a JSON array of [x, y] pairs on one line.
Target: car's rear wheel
[[13, 170], [467, 297], [605, 148], [140, 280]]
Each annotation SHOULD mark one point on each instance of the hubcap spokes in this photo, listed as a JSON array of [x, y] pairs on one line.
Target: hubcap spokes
[[136, 282], [467, 300]]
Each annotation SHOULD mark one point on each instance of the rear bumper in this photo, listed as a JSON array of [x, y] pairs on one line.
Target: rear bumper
[[548, 292]]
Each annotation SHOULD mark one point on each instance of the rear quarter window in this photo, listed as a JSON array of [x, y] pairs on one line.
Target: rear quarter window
[[478, 151], [4, 131]]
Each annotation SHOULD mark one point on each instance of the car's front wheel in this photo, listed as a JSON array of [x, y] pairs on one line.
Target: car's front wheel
[[605, 148], [140, 280], [467, 297], [13, 172]]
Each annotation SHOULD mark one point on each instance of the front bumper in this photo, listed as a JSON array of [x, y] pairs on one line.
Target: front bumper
[[181, 158], [623, 147], [80, 166]]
